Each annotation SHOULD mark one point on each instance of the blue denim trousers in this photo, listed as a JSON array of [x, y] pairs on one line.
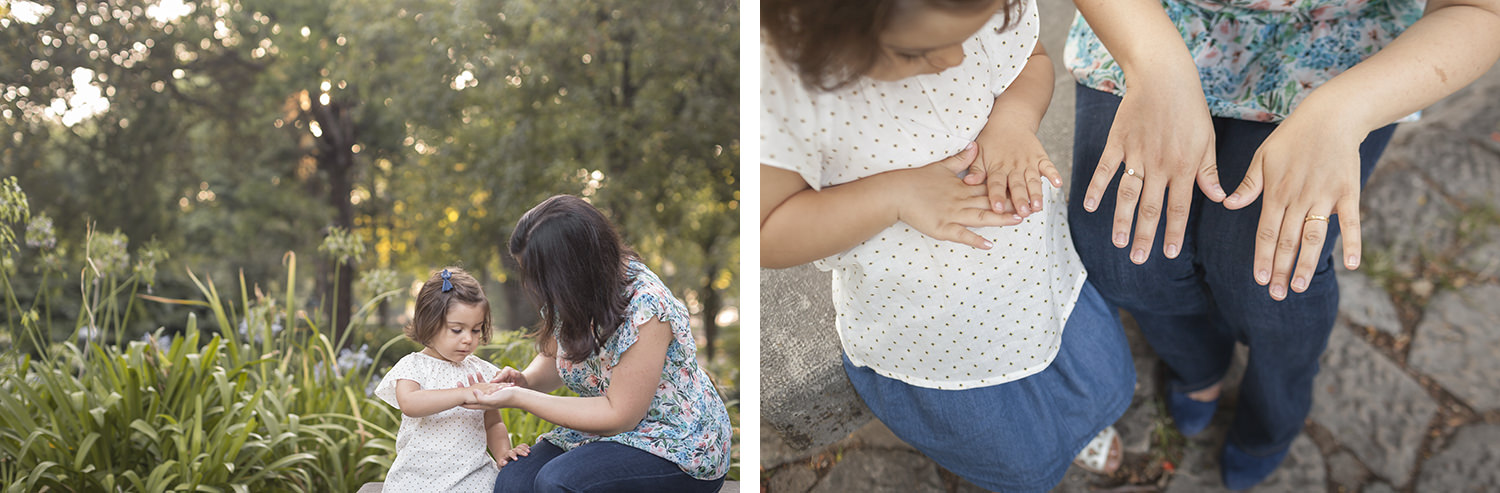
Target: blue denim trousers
[[598, 467], [1192, 309]]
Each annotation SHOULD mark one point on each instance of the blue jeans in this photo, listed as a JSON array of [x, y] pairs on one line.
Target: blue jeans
[[596, 466], [1192, 309]]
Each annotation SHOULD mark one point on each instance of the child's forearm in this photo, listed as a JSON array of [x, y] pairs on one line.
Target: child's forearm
[[420, 403], [1025, 101], [496, 435], [808, 224]]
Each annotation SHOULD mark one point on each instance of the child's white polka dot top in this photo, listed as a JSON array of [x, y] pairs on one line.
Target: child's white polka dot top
[[446, 451], [930, 313]]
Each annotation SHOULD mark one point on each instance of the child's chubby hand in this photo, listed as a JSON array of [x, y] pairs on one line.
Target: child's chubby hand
[[516, 452], [1012, 162]]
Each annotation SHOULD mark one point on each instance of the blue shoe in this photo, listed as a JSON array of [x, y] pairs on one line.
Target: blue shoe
[[1190, 416], [1240, 470]]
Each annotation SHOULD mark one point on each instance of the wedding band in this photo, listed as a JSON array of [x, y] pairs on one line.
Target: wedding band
[[1132, 172], [1315, 217]]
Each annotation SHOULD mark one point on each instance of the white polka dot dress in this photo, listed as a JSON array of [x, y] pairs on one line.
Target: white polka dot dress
[[446, 451], [930, 313]]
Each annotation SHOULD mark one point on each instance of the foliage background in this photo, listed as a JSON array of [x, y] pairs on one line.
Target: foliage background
[[218, 135]]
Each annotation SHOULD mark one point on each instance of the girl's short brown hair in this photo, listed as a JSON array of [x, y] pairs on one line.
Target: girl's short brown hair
[[431, 313], [833, 42]]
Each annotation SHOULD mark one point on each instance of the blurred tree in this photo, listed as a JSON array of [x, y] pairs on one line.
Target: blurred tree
[[238, 129]]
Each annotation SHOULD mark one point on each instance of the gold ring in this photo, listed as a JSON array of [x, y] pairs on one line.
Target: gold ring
[[1132, 172], [1315, 217]]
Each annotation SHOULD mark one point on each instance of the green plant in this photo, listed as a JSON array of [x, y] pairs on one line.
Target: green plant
[[263, 404]]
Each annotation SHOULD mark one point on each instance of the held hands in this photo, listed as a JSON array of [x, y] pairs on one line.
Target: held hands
[[1011, 161], [1163, 136], [936, 203], [1308, 172], [511, 376]]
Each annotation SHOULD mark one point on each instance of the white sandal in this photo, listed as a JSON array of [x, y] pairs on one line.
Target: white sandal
[[1095, 456]]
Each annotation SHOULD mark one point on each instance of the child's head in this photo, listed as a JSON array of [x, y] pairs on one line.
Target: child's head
[[573, 265], [452, 315], [833, 42]]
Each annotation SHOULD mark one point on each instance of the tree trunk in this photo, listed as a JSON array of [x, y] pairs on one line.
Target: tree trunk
[[711, 305]]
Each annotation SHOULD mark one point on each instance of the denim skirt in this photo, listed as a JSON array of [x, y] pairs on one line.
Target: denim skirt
[[1019, 435]]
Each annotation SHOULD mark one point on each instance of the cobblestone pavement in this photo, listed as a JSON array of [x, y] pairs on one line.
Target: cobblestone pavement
[[1408, 398]]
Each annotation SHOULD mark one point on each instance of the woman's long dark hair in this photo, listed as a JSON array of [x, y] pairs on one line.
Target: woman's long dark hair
[[833, 42], [574, 267]]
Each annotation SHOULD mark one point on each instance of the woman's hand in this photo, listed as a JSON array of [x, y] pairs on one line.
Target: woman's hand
[[1011, 163], [511, 376], [516, 452], [1308, 171], [500, 398], [1163, 136], [934, 201]]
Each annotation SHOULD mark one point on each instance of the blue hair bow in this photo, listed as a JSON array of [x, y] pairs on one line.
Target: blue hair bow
[[447, 286]]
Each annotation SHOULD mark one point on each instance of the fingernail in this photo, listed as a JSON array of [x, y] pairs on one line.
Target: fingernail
[[1024, 209], [1261, 276], [1278, 291], [1090, 204], [1352, 261], [1120, 240], [1036, 204], [988, 245], [1218, 191], [1171, 251], [1299, 283], [1138, 256], [999, 207], [970, 146], [1233, 198], [1016, 217]]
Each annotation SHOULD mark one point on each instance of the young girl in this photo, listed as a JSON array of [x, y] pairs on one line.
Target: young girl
[[997, 360], [441, 446], [646, 418]]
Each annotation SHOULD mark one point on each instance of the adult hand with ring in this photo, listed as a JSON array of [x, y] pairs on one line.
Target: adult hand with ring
[[1304, 172], [1163, 135]]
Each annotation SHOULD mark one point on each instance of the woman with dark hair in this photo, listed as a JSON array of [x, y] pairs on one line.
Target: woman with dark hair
[[998, 360], [646, 418]]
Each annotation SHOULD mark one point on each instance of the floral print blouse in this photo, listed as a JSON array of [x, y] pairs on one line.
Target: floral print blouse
[[687, 422], [1259, 58]]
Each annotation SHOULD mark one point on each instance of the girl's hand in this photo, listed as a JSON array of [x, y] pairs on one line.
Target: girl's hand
[[1163, 136], [1012, 161], [937, 203], [516, 452], [1308, 169]]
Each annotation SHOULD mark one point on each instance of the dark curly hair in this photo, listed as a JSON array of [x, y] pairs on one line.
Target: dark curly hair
[[833, 42], [431, 312]]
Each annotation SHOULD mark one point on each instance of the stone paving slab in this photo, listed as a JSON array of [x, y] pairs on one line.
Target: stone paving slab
[[1371, 406], [1471, 462], [1402, 214], [1458, 344], [880, 471], [1302, 471], [1483, 259], [1366, 304]]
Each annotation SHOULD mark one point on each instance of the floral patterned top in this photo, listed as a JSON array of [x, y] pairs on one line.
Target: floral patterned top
[[1259, 58], [687, 422]]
